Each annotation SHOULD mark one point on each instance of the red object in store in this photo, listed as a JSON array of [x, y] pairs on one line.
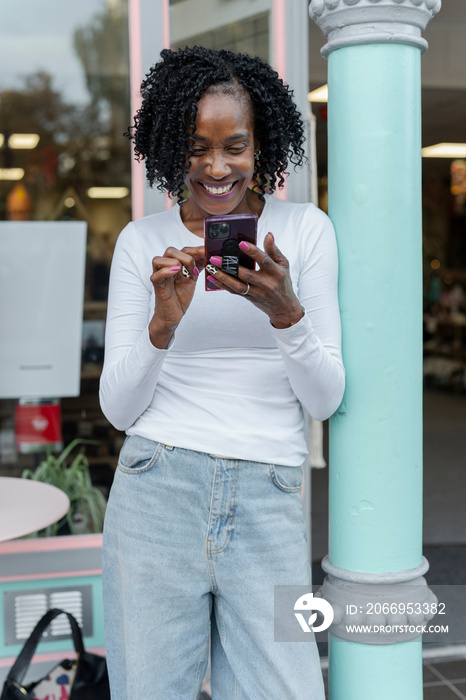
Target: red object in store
[[37, 424], [323, 113]]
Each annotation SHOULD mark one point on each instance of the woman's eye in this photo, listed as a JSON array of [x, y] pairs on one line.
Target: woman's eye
[[237, 149], [198, 151]]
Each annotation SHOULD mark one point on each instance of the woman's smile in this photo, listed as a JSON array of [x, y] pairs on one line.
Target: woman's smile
[[219, 189]]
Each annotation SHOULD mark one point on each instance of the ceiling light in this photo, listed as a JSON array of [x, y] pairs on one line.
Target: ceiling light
[[23, 141], [2, 140], [445, 150], [319, 95], [107, 192], [11, 173]]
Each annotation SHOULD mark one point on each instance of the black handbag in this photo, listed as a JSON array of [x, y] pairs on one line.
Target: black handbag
[[88, 671]]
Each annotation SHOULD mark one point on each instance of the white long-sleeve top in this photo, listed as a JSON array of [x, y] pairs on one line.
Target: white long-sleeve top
[[230, 383]]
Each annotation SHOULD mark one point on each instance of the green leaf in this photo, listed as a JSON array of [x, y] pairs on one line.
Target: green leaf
[[75, 480]]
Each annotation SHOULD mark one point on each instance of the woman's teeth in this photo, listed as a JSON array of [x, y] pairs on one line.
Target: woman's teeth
[[218, 190]]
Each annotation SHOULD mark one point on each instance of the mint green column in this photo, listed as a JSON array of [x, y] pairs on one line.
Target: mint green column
[[376, 436], [374, 131], [374, 172]]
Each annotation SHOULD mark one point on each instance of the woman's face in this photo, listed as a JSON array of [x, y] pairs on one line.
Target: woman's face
[[222, 163]]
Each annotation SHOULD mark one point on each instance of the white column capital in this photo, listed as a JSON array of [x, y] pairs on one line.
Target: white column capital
[[350, 22]]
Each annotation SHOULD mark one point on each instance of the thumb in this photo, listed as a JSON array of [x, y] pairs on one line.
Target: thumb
[[272, 250]]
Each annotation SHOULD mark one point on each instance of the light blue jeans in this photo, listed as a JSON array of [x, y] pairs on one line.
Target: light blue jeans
[[191, 537]]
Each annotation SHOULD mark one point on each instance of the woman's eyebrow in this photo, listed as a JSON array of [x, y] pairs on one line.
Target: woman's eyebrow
[[235, 137], [240, 135]]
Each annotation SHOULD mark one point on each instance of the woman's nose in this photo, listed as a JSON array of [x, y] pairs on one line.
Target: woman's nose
[[218, 166]]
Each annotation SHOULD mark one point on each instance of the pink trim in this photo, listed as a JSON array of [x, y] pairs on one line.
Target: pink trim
[[166, 24], [166, 45], [50, 544], [51, 575], [135, 78], [279, 55], [279, 42], [51, 656]]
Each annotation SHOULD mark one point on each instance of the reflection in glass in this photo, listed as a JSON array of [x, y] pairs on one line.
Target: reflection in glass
[[213, 28], [64, 105]]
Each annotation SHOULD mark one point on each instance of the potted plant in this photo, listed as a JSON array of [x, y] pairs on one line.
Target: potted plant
[[87, 503]]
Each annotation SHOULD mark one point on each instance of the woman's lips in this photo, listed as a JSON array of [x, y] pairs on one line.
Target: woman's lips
[[218, 191]]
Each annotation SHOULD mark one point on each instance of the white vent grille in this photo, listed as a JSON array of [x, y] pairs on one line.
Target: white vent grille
[[72, 602], [23, 609], [28, 611]]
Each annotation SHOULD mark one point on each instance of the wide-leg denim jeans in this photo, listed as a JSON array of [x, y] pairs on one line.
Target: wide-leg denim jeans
[[189, 537]]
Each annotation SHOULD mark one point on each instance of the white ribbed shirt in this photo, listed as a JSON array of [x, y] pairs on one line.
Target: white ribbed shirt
[[230, 383]]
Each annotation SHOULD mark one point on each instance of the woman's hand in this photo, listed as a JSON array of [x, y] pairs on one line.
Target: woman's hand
[[174, 279], [270, 287]]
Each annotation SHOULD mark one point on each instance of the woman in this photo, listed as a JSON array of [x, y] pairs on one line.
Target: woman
[[205, 513]]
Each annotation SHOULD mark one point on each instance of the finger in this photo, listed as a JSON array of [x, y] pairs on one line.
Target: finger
[[196, 252], [194, 272], [226, 281], [161, 262], [267, 258], [215, 281], [183, 257], [164, 273], [264, 260], [228, 263], [273, 251], [198, 255], [186, 263]]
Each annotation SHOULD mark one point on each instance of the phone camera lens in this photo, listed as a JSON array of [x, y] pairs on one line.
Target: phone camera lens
[[224, 228]]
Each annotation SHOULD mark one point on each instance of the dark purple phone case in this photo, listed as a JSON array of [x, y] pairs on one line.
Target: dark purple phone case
[[243, 227]]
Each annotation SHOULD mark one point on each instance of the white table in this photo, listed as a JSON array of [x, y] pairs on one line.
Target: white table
[[27, 506]]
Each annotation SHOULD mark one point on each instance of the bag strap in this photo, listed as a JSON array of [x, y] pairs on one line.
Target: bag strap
[[21, 665]]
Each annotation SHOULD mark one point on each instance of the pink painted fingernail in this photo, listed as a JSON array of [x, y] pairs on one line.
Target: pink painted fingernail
[[211, 279], [273, 237], [195, 271], [216, 260], [175, 267], [244, 246]]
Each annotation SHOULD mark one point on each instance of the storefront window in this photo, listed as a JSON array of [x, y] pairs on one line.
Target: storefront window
[[249, 35], [64, 106], [248, 30]]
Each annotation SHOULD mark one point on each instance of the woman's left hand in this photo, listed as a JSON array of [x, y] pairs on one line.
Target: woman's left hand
[[269, 288]]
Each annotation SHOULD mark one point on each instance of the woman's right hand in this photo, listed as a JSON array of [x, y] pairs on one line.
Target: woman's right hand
[[174, 290]]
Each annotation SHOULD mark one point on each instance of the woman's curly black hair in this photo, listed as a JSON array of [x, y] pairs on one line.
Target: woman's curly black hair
[[164, 125]]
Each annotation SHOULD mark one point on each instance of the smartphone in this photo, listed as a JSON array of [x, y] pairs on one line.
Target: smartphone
[[222, 235]]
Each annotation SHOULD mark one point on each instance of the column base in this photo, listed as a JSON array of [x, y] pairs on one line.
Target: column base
[[378, 608]]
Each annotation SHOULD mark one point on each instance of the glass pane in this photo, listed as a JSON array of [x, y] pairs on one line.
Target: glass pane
[[216, 28], [64, 105]]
